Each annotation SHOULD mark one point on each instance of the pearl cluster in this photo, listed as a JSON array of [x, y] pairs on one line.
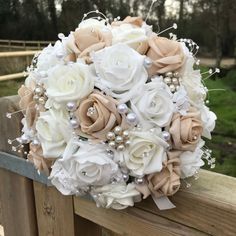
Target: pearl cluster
[[173, 80], [39, 94], [71, 107], [118, 138]]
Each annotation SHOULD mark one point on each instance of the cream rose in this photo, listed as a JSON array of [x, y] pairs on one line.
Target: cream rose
[[85, 165], [130, 32], [155, 106], [167, 55], [53, 131], [120, 71], [186, 130], [146, 152], [117, 196], [69, 82], [190, 162], [97, 115], [209, 120]]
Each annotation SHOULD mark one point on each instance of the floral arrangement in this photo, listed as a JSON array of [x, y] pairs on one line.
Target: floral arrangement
[[116, 111]]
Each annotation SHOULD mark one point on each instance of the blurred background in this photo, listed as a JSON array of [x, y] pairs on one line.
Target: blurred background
[[32, 24]]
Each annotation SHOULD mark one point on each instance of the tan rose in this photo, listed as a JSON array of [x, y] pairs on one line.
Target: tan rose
[[28, 105], [98, 115], [167, 55], [87, 40], [36, 157], [186, 130], [166, 182], [137, 21]]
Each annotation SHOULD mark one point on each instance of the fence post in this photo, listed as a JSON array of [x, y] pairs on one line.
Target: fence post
[[16, 192]]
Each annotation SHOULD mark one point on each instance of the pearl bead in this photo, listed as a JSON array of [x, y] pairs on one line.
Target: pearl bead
[[175, 81], [172, 88], [36, 97], [70, 106], [131, 118], [91, 111], [110, 136], [177, 87], [167, 80], [125, 177], [35, 142], [120, 147], [166, 135], [74, 123], [24, 139], [127, 143], [147, 62], [176, 74], [122, 108], [125, 134], [112, 144], [42, 100], [139, 180], [118, 130], [61, 35], [119, 139], [169, 74], [38, 90]]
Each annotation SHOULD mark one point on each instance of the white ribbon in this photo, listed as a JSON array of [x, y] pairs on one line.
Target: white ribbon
[[163, 203]]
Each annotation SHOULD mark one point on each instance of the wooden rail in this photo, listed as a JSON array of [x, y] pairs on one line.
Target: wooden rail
[[30, 208], [18, 53], [24, 44]]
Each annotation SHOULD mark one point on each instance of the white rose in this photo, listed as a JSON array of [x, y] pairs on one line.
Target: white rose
[[208, 118], [120, 71], [146, 152], [53, 131], [50, 56], [117, 196], [154, 106], [128, 34], [69, 82], [86, 165], [191, 80], [190, 162]]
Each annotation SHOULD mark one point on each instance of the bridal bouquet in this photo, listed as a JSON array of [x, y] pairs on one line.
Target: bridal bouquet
[[116, 111]]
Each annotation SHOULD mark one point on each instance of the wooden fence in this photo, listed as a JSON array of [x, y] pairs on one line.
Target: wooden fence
[[30, 208], [23, 44]]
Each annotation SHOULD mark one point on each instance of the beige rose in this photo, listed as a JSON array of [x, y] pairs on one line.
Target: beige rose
[[186, 130], [28, 105], [87, 40], [167, 55], [137, 21], [36, 157], [166, 182], [97, 115]]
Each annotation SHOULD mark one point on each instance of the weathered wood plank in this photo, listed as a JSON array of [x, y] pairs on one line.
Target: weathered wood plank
[[55, 214], [16, 193], [209, 205], [132, 221]]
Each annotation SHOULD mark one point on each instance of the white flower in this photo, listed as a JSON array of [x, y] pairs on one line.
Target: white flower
[[69, 82], [146, 152], [117, 196], [96, 24], [120, 70], [128, 34], [50, 56], [180, 99], [86, 165], [154, 106], [190, 162], [208, 118], [191, 80], [53, 130]]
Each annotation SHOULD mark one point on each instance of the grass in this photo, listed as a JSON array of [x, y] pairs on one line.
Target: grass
[[223, 143]]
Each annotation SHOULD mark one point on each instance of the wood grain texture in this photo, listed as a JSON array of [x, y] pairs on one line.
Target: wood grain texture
[[55, 213], [132, 221], [16, 192], [209, 205]]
